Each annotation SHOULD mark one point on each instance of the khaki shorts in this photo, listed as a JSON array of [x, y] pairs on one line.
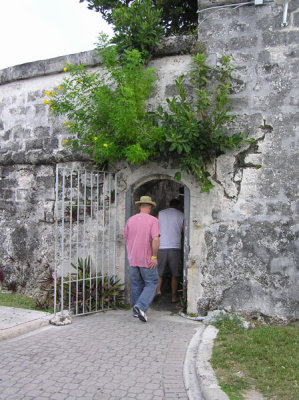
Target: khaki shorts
[[170, 258]]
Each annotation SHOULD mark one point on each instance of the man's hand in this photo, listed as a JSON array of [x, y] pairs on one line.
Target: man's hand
[[152, 264]]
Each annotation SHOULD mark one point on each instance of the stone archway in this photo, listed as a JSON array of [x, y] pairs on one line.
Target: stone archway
[[162, 189]]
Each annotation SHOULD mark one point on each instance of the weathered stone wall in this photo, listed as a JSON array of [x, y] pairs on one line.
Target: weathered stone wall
[[30, 147], [31, 138], [244, 234], [246, 257]]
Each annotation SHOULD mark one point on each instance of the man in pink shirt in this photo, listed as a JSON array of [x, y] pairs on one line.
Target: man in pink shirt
[[142, 240]]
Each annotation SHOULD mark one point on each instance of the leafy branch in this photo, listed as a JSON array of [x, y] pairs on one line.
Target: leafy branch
[[196, 130]]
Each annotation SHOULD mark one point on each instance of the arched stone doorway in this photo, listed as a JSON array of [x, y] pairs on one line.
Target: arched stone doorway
[[162, 189]]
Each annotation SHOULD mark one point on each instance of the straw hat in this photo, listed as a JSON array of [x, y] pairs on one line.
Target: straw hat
[[146, 200]]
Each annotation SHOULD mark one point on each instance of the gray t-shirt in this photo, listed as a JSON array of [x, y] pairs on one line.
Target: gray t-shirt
[[171, 224]]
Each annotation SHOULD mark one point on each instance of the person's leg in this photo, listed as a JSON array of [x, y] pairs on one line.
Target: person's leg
[[150, 278], [160, 281], [175, 266], [162, 261], [137, 284]]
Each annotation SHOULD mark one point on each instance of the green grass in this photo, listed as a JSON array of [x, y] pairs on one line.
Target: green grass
[[18, 301], [265, 358]]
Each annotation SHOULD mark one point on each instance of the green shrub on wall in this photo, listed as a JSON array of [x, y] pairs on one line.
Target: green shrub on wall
[[196, 131], [106, 112], [107, 115]]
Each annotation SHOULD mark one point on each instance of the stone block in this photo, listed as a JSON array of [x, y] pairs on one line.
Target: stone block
[[238, 26], [264, 57], [237, 86], [49, 217], [20, 133], [5, 135], [35, 144], [175, 45], [50, 144], [36, 95], [238, 103], [171, 91], [45, 186], [239, 43], [273, 24], [279, 38], [9, 207], [19, 158], [19, 111], [8, 194], [41, 132], [253, 159], [296, 19], [35, 156], [22, 194]]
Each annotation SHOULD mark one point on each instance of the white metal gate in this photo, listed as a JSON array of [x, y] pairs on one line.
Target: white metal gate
[[85, 240]]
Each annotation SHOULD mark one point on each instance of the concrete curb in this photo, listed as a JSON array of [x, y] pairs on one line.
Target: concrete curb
[[199, 377], [24, 328], [16, 321], [205, 373], [191, 381]]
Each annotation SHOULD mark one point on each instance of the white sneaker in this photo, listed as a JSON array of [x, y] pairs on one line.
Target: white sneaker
[[141, 314]]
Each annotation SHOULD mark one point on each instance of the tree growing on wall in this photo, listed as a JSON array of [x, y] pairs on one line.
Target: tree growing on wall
[[136, 27], [107, 116], [177, 16]]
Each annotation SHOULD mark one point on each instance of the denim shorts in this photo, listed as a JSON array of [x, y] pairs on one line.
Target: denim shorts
[[170, 258]]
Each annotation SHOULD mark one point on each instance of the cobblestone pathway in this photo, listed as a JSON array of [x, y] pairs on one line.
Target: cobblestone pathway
[[104, 356]]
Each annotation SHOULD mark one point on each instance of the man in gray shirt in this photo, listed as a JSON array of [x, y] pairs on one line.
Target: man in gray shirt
[[171, 222]]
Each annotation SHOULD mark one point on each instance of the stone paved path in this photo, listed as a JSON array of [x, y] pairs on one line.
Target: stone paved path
[[104, 356]]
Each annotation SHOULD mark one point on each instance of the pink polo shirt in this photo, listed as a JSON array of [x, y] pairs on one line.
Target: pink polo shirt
[[139, 232]]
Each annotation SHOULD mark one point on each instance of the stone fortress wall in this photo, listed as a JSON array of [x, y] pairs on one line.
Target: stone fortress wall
[[244, 234], [248, 249], [31, 147]]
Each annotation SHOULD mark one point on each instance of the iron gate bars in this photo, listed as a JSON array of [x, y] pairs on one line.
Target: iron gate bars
[[85, 240]]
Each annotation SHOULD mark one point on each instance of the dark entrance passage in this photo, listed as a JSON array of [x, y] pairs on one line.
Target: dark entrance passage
[[162, 190]]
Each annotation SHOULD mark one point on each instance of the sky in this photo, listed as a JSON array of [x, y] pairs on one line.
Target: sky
[[32, 30]]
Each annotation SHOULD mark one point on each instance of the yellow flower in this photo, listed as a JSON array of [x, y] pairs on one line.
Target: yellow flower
[[64, 122], [52, 94], [45, 101], [64, 142], [47, 92], [65, 69], [105, 144], [95, 138], [79, 80], [50, 101], [59, 87], [69, 126]]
